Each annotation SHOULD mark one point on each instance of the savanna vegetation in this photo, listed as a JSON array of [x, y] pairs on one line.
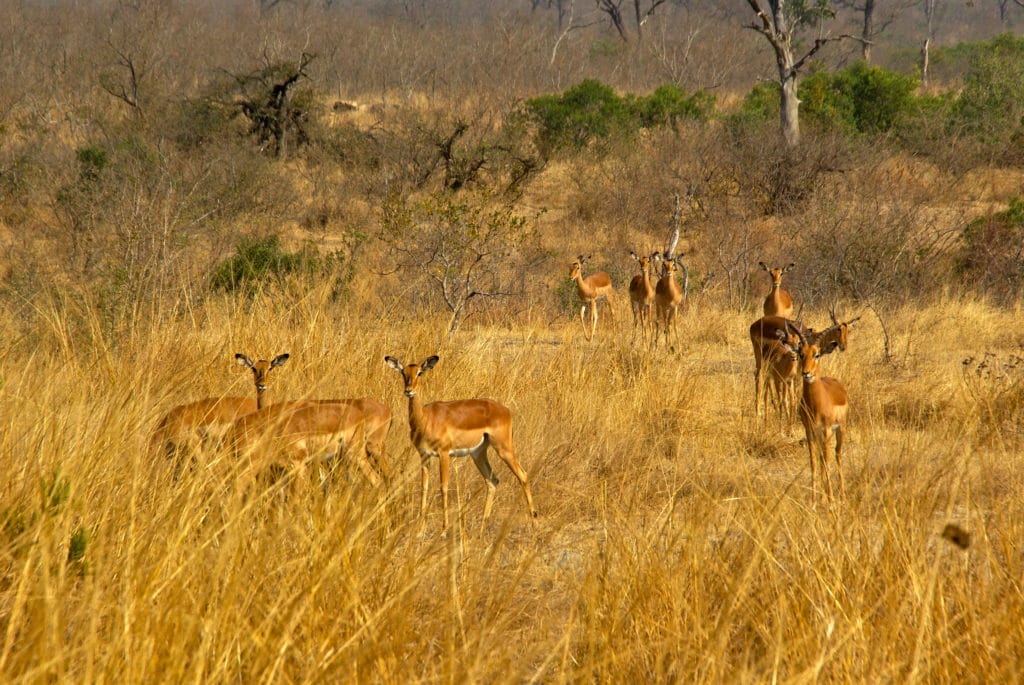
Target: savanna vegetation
[[340, 181]]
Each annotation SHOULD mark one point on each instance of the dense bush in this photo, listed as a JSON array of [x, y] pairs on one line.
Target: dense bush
[[991, 104], [859, 99], [592, 110], [261, 261]]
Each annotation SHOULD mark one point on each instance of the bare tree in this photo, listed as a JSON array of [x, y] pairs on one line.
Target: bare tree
[[875, 18], [458, 250], [776, 23], [641, 13]]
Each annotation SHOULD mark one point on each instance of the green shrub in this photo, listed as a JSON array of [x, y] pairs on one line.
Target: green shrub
[[259, 261], [587, 111], [991, 103], [591, 111], [859, 99], [669, 104], [759, 105]]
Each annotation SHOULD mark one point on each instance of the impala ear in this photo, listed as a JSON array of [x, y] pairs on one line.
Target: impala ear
[[429, 363], [394, 364], [633, 256], [763, 266], [852, 321], [279, 360], [242, 360], [789, 266]]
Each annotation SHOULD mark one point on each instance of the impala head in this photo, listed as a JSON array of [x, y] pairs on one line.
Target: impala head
[[790, 340], [809, 356], [644, 261], [411, 373], [836, 335], [261, 368], [576, 270], [670, 264], [776, 274]]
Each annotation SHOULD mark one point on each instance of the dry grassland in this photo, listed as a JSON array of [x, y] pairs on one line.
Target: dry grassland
[[677, 538]]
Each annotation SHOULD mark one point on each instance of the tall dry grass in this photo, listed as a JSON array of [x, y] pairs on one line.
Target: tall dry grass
[[677, 537]]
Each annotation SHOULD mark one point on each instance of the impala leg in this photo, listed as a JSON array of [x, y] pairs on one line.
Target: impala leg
[[508, 455], [809, 435], [445, 458], [484, 466], [593, 319], [583, 320], [823, 450], [425, 482], [839, 456]]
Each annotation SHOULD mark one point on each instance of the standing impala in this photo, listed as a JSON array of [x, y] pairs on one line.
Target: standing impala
[[641, 294], [457, 429], [667, 297], [823, 411], [188, 427], [590, 290], [290, 433], [778, 302], [772, 338]]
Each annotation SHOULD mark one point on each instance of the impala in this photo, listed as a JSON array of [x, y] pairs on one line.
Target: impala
[[774, 348], [292, 433], [456, 429], [188, 427], [778, 302], [667, 296], [823, 411], [641, 294], [590, 290]]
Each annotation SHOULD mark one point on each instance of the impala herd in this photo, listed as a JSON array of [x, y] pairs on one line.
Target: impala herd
[[261, 436]]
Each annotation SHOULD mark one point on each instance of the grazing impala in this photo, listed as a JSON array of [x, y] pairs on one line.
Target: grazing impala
[[187, 427], [823, 411], [456, 429], [590, 290], [641, 295], [667, 297], [778, 302], [291, 433]]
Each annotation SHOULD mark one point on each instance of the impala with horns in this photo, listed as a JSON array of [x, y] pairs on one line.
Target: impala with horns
[[590, 290], [188, 427], [455, 429], [641, 294], [667, 297], [774, 349], [290, 434], [823, 410], [778, 302]]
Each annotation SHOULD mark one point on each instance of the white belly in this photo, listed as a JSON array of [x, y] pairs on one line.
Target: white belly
[[455, 451]]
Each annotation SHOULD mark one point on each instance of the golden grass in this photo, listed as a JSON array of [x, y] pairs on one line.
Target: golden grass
[[677, 538]]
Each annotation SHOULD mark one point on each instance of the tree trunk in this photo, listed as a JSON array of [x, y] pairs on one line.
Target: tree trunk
[[924, 62], [868, 30], [789, 109]]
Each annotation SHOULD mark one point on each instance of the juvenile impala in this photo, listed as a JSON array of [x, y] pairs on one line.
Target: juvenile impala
[[590, 290], [291, 433], [641, 295], [778, 302], [187, 427], [456, 429], [823, 411], [667, 297]]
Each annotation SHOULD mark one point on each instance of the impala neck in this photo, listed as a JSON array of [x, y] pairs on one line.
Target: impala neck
[[262, 399], [415, 411]]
